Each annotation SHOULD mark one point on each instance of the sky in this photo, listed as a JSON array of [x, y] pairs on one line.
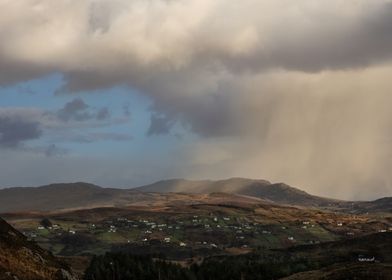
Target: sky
[[123, 93]]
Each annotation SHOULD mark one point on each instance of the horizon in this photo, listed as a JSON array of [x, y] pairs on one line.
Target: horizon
[[185, 179], [133, 187], [124, 93]]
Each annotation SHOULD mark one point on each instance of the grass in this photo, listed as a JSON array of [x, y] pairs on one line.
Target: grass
[[111, 237], [321, 234], [189, 232]]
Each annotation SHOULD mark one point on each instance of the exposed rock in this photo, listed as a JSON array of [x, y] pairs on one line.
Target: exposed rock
[[65, 275]]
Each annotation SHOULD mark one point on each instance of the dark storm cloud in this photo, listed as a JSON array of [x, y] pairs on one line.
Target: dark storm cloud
[[331, 43], [209, 116]]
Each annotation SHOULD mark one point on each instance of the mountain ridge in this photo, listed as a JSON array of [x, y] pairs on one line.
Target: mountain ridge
[[62, 196], [277, 192]]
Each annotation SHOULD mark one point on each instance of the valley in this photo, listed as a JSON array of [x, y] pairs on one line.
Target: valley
[[194, 229]]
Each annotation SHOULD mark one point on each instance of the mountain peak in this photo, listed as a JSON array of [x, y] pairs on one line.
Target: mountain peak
[[276, 192], [76, 185]]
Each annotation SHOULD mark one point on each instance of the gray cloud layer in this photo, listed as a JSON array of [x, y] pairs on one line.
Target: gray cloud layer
[[288, 91], [131, 41]]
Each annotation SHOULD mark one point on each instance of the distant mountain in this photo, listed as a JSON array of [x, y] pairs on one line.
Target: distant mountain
[[279, 193], [73, 196], [63, 196], [57, 197], [379, 205], [201, 186], [24, 260]]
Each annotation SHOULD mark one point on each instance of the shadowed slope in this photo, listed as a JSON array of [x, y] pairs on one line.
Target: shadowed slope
[[26, 260]]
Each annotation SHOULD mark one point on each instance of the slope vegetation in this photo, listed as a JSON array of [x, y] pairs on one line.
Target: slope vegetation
[[21, 259]]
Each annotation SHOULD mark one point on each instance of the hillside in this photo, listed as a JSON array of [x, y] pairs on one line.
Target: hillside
[[279, 193], [359, 258], [21, 259], [347, 271], [379, 205], [344, 254]]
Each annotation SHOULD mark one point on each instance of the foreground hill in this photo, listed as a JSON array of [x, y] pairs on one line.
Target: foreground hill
[[347, 271], [21, 259], [279, 193], [360, 258], [343, 256]]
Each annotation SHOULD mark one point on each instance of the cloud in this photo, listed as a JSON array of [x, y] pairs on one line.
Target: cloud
[[52, 150], [74, 110], [95, 137], [130, 42], [77, 110], [295, 92], [159, 125], [181, 53], [327, 133], [103, 114], [17, 128]]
